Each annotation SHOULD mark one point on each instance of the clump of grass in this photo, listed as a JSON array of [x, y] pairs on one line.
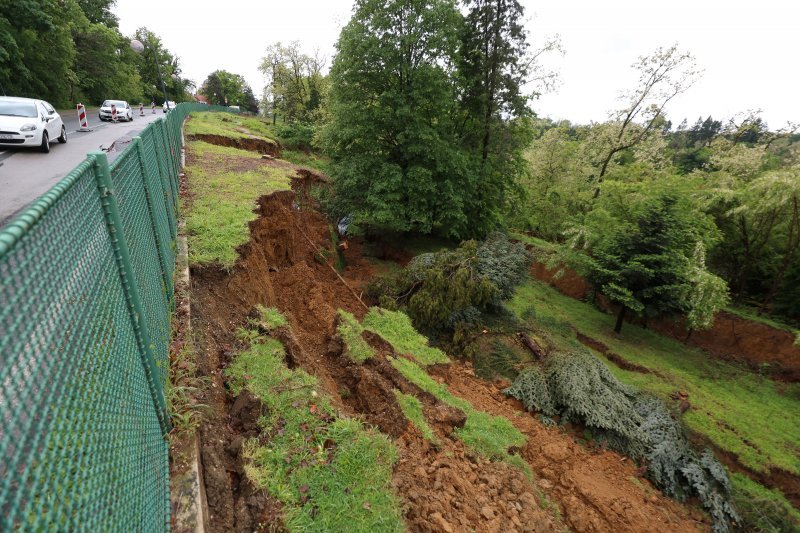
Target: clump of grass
[[330, 474], [181, 391], [223, 200], [355, 347], [396, 328], [487, 435], [412, 409], [269, 318]]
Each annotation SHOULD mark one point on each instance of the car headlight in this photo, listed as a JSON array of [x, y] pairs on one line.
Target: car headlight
[[28, 127]]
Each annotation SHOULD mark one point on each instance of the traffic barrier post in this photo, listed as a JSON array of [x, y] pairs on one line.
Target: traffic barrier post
[[84, 122]]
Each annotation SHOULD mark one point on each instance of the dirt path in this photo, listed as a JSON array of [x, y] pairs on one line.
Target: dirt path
[[443, 487]]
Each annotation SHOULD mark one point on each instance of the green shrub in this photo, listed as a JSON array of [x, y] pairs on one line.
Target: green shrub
[[296, 135], [580, 388], [446, 290]]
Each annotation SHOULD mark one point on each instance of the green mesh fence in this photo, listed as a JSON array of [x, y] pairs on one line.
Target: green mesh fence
[[85, 303]]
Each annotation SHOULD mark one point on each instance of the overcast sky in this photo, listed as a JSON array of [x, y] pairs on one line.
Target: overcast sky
[[748, 49]]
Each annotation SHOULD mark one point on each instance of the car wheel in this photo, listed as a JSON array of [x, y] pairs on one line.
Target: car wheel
[[63, 138], [45, 147]]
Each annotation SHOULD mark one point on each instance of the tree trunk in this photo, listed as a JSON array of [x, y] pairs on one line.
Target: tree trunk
[[620, 319], [792, 242]]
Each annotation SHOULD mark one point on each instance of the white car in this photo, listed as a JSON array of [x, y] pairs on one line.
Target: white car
[[124, 111], [168, 105], [30, 122]]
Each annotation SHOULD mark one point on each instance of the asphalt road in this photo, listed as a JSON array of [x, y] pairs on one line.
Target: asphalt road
[[26, 174]]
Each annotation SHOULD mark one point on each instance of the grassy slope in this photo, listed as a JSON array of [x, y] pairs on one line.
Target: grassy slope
[[332, 474], [739, 411], [222, 201], [238, 127], [743, 413]]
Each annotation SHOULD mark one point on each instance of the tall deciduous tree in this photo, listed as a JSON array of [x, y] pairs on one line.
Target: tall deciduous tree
[[396, 160], [224, 88], [493, 66], [295, 83]]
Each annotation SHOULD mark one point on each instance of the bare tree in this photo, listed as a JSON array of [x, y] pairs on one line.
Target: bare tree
[[663, 75]]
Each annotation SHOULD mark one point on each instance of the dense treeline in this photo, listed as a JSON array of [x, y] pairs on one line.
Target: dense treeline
[[71, 51], [738, 183]]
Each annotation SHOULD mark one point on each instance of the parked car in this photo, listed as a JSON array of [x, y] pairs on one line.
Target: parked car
[[124, 111], [169, 104], [30, 122]]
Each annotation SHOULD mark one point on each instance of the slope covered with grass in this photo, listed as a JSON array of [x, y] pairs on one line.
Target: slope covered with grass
[[740, 412], [331, 474], [224, 184]]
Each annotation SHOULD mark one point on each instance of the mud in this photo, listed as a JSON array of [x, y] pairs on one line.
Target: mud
[[250, 143]]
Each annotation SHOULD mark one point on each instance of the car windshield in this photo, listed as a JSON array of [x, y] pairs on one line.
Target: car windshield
[[17, 109], [117, 103]]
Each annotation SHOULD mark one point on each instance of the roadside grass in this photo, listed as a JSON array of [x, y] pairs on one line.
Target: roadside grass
[[487, 435], [331, 474], [227, 125], [396, 328], [222, 201], [182, 389], [412, 409], [355, 347], [741, 412]]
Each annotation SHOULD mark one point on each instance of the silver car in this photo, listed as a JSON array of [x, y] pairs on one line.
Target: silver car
[[30, 122], [124, 111]]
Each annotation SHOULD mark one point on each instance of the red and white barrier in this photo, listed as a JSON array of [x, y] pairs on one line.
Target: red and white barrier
[[82, 119], [114, 113], [141, 110]]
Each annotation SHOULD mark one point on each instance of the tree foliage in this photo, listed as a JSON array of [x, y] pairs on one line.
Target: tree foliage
[[71, 50], [295, 84], [427, 118], [224, 88], [645, 248], [444, 291]]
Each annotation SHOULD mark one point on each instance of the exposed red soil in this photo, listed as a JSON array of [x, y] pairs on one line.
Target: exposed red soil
[[443, 487], [614, 357], [596, 490], [566, 280], [730, 338], [251, 143]]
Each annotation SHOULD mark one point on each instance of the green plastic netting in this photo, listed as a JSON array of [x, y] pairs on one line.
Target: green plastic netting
[[85, 304]]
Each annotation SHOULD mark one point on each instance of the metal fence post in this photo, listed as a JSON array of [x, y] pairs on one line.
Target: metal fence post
[[150, 195], [163, 174], [134, 304]]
